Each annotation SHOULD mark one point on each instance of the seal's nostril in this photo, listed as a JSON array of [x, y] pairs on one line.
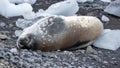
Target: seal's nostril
[[27, 42], [23, 43]]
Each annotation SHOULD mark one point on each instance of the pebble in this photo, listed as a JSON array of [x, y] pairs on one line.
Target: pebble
[[13, 50], [91, 50], [95, 57], [1, 65], [105, 62], [55, 59], [2, 24], [11, 25], [3, 37]]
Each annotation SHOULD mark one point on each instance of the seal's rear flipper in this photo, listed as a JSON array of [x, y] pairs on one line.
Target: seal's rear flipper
[[80, 45]]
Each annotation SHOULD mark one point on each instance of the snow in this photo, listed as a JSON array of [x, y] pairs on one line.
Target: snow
[[23, 1], [65, 8], [10, 9], [109, 39]]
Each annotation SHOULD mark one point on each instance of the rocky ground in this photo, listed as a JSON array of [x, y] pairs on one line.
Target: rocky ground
[[10, 58]]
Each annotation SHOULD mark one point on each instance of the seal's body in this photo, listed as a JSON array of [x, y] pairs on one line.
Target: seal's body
[[58, 32]]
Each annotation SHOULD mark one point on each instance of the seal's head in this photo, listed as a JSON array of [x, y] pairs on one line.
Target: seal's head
[[41, 32]]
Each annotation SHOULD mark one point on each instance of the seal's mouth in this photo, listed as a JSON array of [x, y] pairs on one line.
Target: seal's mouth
[[27, 42]]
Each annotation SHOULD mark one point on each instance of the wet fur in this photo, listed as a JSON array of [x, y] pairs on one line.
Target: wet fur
[[64, 32]]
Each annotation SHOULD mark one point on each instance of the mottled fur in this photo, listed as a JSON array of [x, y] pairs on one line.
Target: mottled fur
[[57, 32]]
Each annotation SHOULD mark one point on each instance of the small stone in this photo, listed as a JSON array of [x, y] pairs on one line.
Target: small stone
[[95, 57], [91, 50], [2, 45], [1, 65], [82, 51], [3, 37], [90, 67], [36, 65], [2, 24], [10, 25], [13, 50], [18, 32], [105, 62], [105, 18]]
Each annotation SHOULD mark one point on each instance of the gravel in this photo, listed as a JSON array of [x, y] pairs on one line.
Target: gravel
[[10, 57], [69, 59]]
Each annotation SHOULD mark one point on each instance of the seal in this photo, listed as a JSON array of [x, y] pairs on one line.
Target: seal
[[58, 32]]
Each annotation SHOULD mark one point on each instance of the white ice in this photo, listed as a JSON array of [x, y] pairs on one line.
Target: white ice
[[18, 32], [84, 0], [106, 0], [109, 39], [105, 18], [9, 9], [23, 1], [65, 8], [22, 23]]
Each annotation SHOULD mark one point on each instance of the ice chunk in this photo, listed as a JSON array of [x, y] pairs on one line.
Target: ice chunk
[[18, 32], [105, 18], [84, 0], [10, 10], [29, 15], [65, 8], [22, 23], [109, 39], [42, 13], [113, 8], [23, 1], [106, 0]]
